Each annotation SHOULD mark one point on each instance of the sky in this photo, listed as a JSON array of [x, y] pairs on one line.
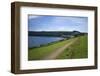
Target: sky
[[57, 23]]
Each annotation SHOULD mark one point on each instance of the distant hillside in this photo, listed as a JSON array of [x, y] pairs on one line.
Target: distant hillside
[[55, 33]]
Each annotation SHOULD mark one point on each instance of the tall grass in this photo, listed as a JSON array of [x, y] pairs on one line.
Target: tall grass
[[79, 49]]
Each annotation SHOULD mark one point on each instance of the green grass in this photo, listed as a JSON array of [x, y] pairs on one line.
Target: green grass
[[41, 52], [78, 49]]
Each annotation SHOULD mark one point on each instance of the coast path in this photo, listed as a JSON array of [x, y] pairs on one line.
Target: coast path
[[58, 51]]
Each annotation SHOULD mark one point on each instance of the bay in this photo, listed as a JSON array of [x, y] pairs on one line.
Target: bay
[[36, 41]]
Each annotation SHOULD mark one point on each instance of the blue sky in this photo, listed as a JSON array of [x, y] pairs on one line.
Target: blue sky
[[57, 23]]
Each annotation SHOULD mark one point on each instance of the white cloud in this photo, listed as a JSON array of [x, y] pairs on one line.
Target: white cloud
[[32, 16]]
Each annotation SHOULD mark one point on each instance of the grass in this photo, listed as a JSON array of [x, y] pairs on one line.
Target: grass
[[78, 49], [41, 52]]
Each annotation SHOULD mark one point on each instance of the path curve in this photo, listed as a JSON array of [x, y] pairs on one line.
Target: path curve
[[58, 51]]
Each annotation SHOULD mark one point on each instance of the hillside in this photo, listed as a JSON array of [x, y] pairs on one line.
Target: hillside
[[69, 49], [55, 33]]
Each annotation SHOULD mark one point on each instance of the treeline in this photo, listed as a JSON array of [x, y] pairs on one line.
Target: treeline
[[55, 33]]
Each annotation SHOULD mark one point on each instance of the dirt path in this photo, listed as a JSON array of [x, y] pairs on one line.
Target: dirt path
[[58, 51]]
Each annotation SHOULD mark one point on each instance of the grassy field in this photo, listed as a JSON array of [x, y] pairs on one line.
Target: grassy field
[[77, 50]]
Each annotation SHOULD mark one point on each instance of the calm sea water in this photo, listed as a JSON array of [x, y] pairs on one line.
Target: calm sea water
[[35, 41]]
